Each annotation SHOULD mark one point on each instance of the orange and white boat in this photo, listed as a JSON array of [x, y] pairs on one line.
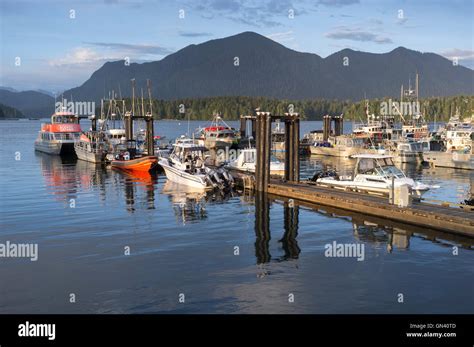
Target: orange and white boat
[[58, 137], [145, 163]]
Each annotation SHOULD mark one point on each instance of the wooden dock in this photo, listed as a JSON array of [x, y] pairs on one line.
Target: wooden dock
[[453, 220]]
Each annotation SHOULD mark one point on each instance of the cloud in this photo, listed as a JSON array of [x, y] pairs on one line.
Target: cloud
[[460, 53], [464, 56], [337, 3], [133, 48], [257, 13], [282, 37], [106, 51], [193, 34], [357, 34], [78, 56]]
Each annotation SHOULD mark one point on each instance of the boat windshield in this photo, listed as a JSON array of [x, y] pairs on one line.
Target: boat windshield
[[391, 170]]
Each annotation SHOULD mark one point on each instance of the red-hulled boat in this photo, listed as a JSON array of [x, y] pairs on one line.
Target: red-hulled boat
[[144, 164]]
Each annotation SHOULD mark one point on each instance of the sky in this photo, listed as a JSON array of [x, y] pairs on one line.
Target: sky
[[54, 45]]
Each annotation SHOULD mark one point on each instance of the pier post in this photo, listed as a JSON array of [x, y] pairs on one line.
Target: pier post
[[149, 134], [243, 126], [128, 120], [288, 162], [254, 127], [262, 228], [296, 147], [263, 144], [292, 150], [288, 241], [326, 127]]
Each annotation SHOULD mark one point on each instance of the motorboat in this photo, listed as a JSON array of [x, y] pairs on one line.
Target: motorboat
[[374, 173], [339, 146], [246, 161], [186, 165], [218, 134]]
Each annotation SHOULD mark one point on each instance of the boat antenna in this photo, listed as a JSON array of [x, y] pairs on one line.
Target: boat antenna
[[148, 85], [133, 96]]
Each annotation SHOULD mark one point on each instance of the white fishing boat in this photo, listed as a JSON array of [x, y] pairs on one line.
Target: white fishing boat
[[246, 160], [218, 134], [186, 166], [91, 147], [374, 173], [405, 152], [340, 146]]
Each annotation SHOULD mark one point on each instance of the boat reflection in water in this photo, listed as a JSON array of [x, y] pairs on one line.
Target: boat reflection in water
[[189, 204], [65, 176], [134, 180]]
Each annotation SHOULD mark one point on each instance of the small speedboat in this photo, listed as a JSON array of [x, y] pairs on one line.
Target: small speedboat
[[185, 165], [246, 161], [373, 173]]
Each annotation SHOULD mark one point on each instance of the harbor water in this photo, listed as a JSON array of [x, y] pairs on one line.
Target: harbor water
[[113, 243]]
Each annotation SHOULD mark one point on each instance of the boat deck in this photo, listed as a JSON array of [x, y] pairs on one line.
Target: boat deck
[[449, 219]]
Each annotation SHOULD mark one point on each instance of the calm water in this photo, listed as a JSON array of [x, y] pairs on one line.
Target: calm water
[[184, 242]]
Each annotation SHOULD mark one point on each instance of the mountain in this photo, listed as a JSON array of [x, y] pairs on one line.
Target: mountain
[[9, 112], [30, 103], [267, 68]]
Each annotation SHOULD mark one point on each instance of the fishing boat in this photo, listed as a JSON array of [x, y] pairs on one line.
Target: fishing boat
[[340, 146], [406, 152], [186, 166], [58, 137], [91, 146], [145, 163], [218, 134], [246, 161], [127, 158], [374, 173]]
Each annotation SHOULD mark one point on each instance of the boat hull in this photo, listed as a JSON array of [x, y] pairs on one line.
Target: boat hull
[[144, 164], [344, 152], [184, 178], [55, 147], [84, 154]]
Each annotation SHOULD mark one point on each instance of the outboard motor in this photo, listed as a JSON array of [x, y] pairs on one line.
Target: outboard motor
[[323, 174]]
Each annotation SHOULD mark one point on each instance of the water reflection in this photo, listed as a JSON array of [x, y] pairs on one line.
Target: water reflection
[[189, 204], [137, 179], [382, 232], [65, 177], [263, 234]]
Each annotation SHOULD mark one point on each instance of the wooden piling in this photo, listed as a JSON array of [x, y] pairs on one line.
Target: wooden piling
[[128, 120], [296, 148]]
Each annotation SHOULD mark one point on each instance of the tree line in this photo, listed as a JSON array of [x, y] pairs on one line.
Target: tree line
[[231, 107]]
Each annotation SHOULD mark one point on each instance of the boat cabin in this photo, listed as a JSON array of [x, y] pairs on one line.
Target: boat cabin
[[188, 156], [376, 166]]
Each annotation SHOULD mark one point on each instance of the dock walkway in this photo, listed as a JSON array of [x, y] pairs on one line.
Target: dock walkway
[[449, 219]]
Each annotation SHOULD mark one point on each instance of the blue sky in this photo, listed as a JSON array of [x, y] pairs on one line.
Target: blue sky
[[61, 43]]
